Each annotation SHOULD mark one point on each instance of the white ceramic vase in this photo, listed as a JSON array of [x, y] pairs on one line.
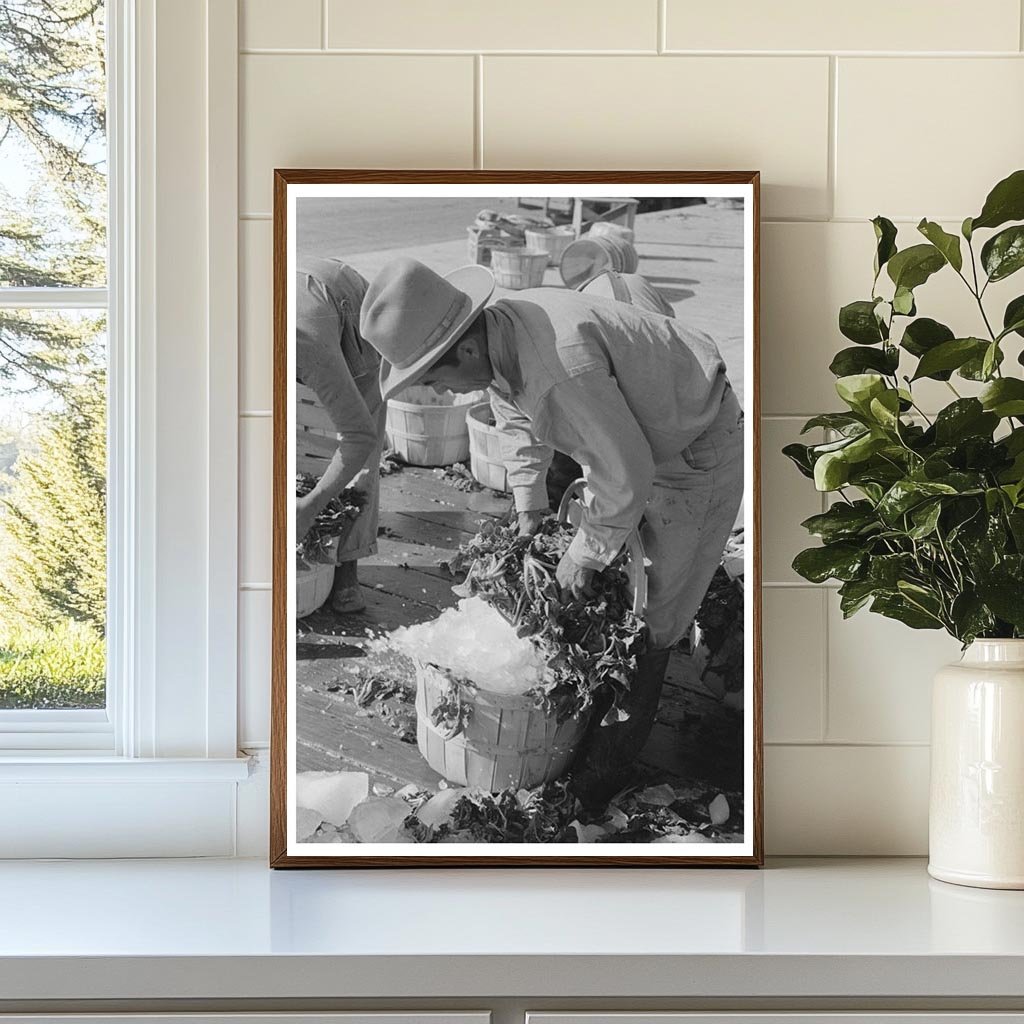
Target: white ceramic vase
[[976, 816]]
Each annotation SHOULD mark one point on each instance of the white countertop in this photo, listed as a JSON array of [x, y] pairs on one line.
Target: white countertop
[[233, 928]]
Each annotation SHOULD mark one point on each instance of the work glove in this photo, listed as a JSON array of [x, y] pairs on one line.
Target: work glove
[[574, 579], [529, 522]]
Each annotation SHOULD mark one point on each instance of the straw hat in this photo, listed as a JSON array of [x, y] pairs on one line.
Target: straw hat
[[412, 316]]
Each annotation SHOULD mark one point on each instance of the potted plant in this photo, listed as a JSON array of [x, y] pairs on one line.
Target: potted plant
[[926, 521]]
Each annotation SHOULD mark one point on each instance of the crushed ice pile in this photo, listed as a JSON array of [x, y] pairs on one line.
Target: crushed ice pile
[[473, 641], [424, 394]]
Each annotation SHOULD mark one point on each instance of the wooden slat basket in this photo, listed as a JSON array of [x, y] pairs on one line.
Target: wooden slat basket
[[428, 435], [503, 740], [485, 462], [518, 268]]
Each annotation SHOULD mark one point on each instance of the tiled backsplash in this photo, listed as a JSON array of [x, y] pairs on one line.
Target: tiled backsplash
[[910, 110]]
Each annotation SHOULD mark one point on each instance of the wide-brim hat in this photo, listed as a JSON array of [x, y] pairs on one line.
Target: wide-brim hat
[[412, 315], [582, 261]]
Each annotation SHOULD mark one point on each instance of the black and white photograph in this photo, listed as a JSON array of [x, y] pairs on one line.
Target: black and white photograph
[[515, 614]]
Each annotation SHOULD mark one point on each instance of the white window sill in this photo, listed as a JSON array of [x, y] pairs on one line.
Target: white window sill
[[78, 767], [82, 806]]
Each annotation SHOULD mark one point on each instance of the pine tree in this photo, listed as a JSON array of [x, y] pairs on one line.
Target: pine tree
[[53, 234], [52, 122], [53, 520]]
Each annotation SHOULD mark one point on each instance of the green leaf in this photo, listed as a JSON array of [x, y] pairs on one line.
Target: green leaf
[[858, 389], [903, 302], [970, 617], [990, 360], [839, 561], [950, 355], [974, 368], [854, 594], [885, 237], [966, 417], [1013, 317], [965, 229], [849, 361], [1003, 254], [900, 609], [947, 244], [906, 494], [924, 334], [885, 409], [912, 267], [800, 456], [1004, 397], [1005, 202], [925, 518], [832, 420], [831, 471], [1005, 597], [887, 570], [843, 521], [857, 321]]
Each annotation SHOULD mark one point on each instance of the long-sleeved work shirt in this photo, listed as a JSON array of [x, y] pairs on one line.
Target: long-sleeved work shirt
[[333, 360], [618, 388]]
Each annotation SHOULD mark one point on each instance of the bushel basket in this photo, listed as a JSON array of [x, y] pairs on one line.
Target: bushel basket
[[505, 741], [498, 740]]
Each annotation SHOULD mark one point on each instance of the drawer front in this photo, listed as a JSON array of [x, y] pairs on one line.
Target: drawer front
[[362, 1017], [775, 1018]]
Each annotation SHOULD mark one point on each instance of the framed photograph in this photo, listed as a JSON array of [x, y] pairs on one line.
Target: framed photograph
[[516, 547]]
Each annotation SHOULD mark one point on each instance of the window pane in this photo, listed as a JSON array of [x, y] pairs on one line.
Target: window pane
[[53, 147], [52, 509]]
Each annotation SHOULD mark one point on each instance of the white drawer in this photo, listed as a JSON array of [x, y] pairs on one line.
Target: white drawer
[[775, 1018], [362, 1017]]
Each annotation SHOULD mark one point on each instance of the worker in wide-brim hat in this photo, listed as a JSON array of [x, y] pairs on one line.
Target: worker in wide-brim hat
[[333, 360], [639, 400]]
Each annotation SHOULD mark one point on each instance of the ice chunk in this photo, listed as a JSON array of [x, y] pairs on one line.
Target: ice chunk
[[658, 796], [438, 809], [306, 823], [333, 794], [379, 820], [690, 837], [588, 833], [718, 810], [474, 641]]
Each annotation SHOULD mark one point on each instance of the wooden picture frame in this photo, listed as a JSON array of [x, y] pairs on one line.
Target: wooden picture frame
[[289, 185]]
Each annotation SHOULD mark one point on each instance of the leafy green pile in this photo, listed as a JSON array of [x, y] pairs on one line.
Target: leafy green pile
[[335, 520], [663, 813], [542, 815], [928, 525], [590, 646]]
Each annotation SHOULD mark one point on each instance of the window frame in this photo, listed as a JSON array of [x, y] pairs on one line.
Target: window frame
[[78, 730], [169, 749]]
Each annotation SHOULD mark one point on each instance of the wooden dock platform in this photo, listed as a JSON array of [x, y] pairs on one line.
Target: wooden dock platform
[[354, 706]]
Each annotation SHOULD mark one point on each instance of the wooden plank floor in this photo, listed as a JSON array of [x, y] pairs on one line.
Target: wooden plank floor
[[342, 726]]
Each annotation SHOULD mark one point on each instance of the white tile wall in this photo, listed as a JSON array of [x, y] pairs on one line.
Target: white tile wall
[[261, 25], [699, 113], [472, 25], [970, 110], [906, 109], [873, 25]]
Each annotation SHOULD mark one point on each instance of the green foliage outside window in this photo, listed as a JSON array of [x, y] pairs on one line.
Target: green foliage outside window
[[52, 365]]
